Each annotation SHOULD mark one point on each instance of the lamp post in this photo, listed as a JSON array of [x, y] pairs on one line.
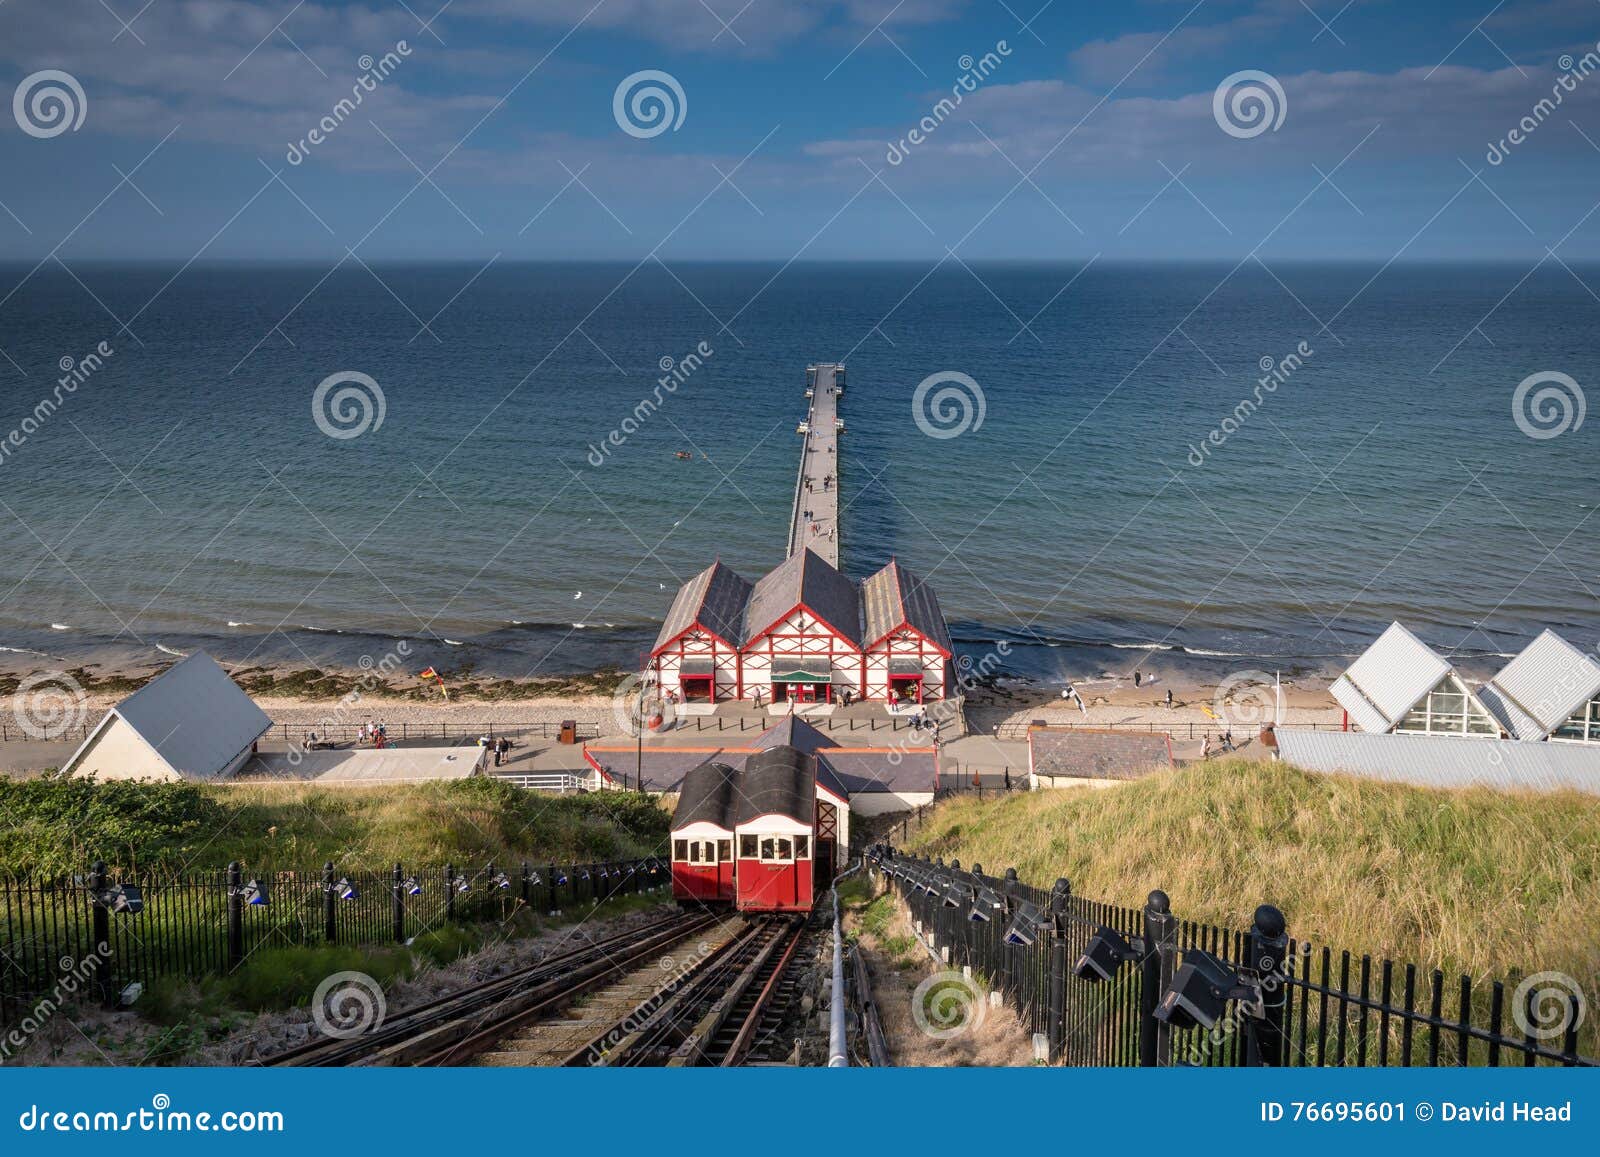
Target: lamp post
[[638, 728]]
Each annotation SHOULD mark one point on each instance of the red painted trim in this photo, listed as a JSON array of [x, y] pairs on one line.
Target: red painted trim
[[906, 626], [855, 648], [696, 625]]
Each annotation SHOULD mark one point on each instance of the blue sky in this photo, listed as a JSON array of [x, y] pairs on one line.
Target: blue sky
[[1094, 132]]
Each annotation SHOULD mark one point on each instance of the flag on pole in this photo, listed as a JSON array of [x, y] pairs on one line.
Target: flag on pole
[[430, 673]]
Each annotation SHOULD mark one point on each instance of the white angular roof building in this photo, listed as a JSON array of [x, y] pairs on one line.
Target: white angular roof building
[[190, 722], [1549, 691], [1400, 684]]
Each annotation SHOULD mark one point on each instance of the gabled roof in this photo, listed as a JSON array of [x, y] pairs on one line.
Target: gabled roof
[[792, 731], [1445, 760], [894, 597], [663, 767], [715, 599], [1538, 691], [1388, 679], [778, 781], [706, 797], [196, 718], [804, 578]]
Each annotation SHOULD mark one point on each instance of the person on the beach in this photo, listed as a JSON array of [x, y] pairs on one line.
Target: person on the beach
[[1227, 741], [1169, 698], [1136, 678], [1205, 747]]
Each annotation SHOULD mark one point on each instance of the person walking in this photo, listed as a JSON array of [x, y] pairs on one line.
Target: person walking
[[1169, 698], [1205, 747], [1136, 677]]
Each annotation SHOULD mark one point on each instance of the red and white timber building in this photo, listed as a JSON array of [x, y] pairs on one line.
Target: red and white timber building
[[804, 634]]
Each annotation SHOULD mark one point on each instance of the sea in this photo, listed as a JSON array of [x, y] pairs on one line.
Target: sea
[[510, 469]]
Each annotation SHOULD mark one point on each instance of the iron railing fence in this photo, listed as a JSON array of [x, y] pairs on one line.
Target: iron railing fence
[[74, 934], [1019, 728], [1099, 984]]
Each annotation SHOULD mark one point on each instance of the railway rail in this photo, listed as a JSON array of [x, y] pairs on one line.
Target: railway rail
[[453, 1028]]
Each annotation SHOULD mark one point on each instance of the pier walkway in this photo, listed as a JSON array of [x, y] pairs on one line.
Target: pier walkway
[[814, 521]]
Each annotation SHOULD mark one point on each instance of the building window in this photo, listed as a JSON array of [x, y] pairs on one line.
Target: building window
[[1449, 710], [1584, 725]]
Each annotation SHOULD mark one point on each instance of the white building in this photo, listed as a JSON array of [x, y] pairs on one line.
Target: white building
[[1400, 684], [1549, 691], [190, 722]]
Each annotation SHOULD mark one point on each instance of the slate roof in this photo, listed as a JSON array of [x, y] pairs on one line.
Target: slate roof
[[1088, 754], [1536, 692], [1388, 679], [894, 596], [1445, 760], [715, 598], [706, 796], [778, 781], [196, 718], [875, 770], [792, 731], [664, 768], [804, 578]]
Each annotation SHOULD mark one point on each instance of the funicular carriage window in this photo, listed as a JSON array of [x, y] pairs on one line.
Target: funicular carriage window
[[777, 850], [724, 850], [694, 851], [747, 847], [680, 850], [802, 847]]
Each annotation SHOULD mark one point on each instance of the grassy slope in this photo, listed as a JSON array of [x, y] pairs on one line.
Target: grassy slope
[[50, 827], [1477, 881]]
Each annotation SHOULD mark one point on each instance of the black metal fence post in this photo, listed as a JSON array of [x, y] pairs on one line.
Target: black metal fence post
[[398, 895], [550, 882], [1060, 895], [330, 905], [527, 884], [1155, 972], [235, 915], [1268, 946], [449, 891], [1013, 959], [102, 931]]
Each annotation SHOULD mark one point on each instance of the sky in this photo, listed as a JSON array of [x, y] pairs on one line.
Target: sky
[[505, 128]]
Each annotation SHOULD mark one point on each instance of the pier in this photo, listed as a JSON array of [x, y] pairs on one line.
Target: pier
[[814, 522]]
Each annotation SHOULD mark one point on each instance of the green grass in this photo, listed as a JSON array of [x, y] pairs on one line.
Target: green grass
[[57, 827], [1476, 881]]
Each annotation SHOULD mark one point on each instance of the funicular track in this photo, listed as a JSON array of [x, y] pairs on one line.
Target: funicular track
[[453, 1028]]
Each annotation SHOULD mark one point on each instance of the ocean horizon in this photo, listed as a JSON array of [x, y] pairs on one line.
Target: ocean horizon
[[502, 515]]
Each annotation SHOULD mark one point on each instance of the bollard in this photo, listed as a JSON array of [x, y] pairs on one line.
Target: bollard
[[235, 915], [330, 908], [1156, 968], [1060, 895], [397, 901], [1269, 945]]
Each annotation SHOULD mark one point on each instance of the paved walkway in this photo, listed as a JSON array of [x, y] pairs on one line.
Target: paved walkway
[[814, 522]]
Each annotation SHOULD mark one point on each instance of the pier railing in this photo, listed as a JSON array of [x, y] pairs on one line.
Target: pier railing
[[1178, 729], [1106, 985], [90, 937]]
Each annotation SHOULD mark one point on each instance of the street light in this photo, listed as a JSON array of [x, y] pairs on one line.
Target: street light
[[124, 898], [345, 890], [1026, 924], [1107, 952], [412, 886], [1200, 991], [255, 893]]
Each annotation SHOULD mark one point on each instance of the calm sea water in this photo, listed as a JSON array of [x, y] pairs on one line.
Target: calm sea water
[[183, 496]]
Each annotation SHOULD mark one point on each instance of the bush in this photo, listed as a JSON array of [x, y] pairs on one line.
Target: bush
[[58, 826]]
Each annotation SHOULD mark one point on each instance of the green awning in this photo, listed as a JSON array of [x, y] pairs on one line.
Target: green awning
[[802, 677]]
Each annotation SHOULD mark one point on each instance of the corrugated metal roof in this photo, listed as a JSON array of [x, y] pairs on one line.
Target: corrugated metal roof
[[197, 719], [1390, 677], [804, 578], [715, 598], [1541, 688], [1445, 760], [894, 596], [792, 731]]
